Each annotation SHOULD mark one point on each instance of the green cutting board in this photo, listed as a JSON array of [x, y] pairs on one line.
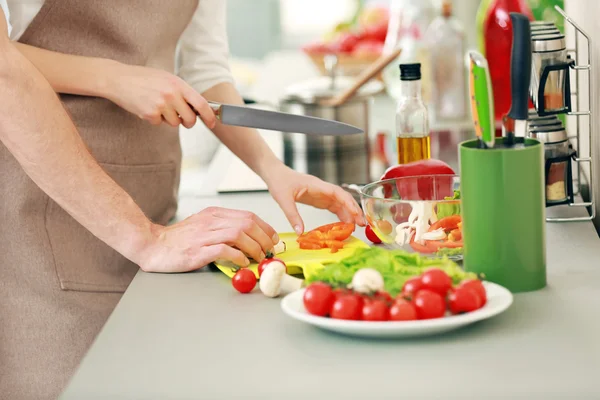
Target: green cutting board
[[300, 261]]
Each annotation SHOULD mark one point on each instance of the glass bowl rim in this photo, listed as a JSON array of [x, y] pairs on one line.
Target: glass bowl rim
[[393, 180]]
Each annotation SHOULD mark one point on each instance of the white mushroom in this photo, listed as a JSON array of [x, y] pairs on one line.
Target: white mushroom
[[367, 280], [274, 280], [280, 247]]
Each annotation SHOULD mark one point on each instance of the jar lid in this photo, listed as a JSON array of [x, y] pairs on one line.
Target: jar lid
[[548, 43], [313, 91], [549, 135]]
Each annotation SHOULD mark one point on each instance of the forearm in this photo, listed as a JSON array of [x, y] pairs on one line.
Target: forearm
[[38, 132], [85, 76], [246, 143]]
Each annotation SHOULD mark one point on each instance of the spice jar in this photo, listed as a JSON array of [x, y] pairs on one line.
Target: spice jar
[[558, 155], [550, 88]]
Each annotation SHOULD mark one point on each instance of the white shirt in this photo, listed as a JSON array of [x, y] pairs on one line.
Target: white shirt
[[4, 8], [203, 57]]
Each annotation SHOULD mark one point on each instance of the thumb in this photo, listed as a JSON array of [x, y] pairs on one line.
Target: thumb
[[289, 208]]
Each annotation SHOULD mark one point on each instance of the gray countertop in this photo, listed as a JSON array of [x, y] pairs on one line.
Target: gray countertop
[[191, 336]]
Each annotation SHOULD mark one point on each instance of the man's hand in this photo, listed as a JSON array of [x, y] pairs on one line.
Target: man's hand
[[289, 187], [212, 234]]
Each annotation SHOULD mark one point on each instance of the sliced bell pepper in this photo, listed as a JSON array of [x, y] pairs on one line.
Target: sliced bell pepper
[[425, 249], [326, 236], [455, 235], [448, 223]]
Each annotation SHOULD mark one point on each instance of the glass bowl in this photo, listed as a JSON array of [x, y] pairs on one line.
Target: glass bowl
[[418, 214]]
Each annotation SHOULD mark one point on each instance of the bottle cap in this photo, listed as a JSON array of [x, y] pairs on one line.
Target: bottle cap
[[410, 72]]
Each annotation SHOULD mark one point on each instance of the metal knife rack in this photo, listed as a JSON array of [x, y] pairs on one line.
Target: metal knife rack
[[579, 160]]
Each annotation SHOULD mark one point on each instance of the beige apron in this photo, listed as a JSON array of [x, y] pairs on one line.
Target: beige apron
[[58, 283]]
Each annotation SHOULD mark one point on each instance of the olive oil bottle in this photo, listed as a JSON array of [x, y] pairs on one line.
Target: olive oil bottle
[[412, 121]]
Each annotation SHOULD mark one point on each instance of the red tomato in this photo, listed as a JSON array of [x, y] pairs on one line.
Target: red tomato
[[376, 33], [375, 310], [368, 47], [477, 286], [403, 310], [345, 43], [425, 189], [437, 281], [244, 280], [372, 236], [412, 286], [463, 300], [429, 304], [347, 307], [385, 296], [318, 298], [265, 262], [339, 292]]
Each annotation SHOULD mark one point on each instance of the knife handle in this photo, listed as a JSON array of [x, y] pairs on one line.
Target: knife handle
[[216, 107], [520, 67]]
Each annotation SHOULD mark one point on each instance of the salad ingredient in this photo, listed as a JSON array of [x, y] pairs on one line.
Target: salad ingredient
[[327, 236], [367, 280], [280, 247], [395, 266], [447, 224], [318, 299], [464, 299], [412, 286], [403, 310], [418, 223], [477, 286], [437, 234], [275, 280], [375, 310], [385, 296], [371, 235], [437, 281], [384, 226], [455, 235], [268, 261], [429, 304], [452, 208], [348, 307], [426, 189], [244, 280]]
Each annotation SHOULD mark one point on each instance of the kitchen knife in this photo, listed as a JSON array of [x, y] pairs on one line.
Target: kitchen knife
[[520, 77], [482, 100], [278, 121]]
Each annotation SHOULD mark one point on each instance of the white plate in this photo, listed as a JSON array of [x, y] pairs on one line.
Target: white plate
[[498, 300]]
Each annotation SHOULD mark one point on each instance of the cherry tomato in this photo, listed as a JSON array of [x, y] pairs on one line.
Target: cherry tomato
[[318, 298], [264, 263], [375, 310], [384, 226], [372, 236], [347, 307], [385, 296], [244, 280], [437, 281], [463, 300], [339, 292], [412, 286], [478, 287], [429, 304], [403, 310]]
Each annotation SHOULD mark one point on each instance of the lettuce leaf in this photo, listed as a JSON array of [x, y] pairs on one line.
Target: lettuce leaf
[[445, 210], [396, 267]]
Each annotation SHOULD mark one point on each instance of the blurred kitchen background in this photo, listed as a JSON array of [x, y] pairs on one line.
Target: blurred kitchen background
[[278, 51]]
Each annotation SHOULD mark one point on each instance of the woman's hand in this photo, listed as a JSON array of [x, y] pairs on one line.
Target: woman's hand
[[156, 96], [212, 234], [289, 187]]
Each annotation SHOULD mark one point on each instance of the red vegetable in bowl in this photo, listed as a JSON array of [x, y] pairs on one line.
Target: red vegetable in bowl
[[425, 189], [371, 235]]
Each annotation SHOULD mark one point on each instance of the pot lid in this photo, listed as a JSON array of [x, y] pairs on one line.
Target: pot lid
[[548, 43], [321, 88], [550, 135]]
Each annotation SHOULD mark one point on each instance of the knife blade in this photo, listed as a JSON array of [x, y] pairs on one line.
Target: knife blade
[[481, 96], [278, 121]]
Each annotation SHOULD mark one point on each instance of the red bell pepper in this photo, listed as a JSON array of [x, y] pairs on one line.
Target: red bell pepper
[[425, 189]]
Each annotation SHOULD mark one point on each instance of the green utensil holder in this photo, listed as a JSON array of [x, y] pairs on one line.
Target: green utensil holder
[[503, 209]]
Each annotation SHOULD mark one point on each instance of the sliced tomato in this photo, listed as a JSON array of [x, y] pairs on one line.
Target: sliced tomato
[[448, 223]]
